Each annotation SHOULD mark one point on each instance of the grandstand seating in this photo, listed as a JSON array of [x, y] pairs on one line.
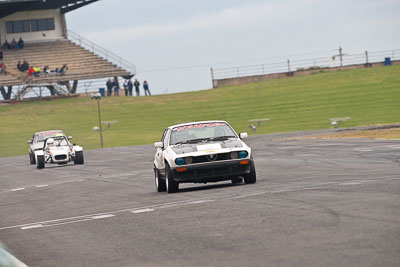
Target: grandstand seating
[[82, 64]]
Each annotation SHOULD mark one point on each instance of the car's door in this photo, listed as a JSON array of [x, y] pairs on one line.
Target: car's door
[[159, 156]]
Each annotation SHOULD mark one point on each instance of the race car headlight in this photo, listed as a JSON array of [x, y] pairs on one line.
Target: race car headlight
[[234, 155], [188, 160], [243, 154], [180, 161]]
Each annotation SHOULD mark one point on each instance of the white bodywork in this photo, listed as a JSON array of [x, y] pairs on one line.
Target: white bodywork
[[200, 152], [165, 153]]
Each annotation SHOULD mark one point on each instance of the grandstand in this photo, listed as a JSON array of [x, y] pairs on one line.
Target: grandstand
[[41, 24]]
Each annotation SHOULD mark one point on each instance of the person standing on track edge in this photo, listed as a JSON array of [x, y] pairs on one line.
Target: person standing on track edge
[[146, 88], [137, 84]]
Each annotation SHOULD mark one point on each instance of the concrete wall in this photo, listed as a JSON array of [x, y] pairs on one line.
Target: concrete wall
[[58, 33], [272, 76]]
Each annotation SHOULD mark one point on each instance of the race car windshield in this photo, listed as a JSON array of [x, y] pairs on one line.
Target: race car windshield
[[195, 133], [43, 136]]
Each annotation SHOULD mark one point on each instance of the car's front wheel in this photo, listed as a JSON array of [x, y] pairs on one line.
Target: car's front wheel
[[160, 183], [171, 185], [79, 157], [251, 177], [40, 162], [32, 158]]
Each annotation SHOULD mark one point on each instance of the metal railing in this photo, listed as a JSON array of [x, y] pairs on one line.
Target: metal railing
[[102, 52], [304, 64]]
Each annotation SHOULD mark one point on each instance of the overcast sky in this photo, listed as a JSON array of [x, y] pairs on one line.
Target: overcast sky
[[174, 43]]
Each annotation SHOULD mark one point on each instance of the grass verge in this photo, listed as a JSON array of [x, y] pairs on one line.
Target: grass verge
[[369, 96]]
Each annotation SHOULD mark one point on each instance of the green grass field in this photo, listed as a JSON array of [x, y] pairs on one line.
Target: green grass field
[[368, 96]]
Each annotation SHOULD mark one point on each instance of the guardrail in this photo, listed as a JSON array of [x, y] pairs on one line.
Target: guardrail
[[291, 65], [102, 52]]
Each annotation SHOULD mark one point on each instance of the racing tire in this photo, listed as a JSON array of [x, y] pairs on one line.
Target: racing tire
[[251, 177], [32, 159], [160, 183], [236, 180], [171, 185], [79, 158], [40, 162]]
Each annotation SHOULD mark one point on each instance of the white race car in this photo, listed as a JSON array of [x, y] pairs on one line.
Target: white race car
[[201, 152], [53, 147]]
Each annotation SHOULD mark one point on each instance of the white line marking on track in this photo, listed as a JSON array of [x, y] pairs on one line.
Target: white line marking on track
[[149, 208], [103, 216], [201, 201], [32, 226], [364, 150], [42, 185], [89, 217], [18, 189], [142, 210]]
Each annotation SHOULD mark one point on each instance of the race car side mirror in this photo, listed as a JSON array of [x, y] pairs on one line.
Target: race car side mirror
[[158, 145], [69, 137], [29, 141], [243, 135]]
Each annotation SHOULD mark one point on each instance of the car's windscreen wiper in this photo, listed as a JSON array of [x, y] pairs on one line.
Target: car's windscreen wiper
[[180, 143], [197, 140], [222, 138]]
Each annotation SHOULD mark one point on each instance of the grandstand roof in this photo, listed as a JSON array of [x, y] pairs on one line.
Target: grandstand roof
[[8, 7]]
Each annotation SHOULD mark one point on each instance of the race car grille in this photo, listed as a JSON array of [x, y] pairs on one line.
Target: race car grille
[[60, 157], [211, 157]]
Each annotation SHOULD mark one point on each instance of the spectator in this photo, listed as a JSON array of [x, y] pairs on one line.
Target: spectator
[[63, 69], [46, 70], [6, 45], [109, 85], [20, 44], [30, 71], [36, 71], [126, 89], [19, 66], [130, 87], [137, 84], [116, 86], [3, 68], [13, 43], [146, 88], [25, 66]]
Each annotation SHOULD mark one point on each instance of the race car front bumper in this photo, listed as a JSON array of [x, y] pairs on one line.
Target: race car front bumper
[[211, 171], [60, 158]]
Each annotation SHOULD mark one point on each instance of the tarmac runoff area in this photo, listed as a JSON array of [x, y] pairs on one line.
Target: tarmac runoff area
[[316, 203]]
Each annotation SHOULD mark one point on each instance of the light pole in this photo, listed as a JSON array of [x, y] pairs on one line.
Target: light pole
[[97, 96]]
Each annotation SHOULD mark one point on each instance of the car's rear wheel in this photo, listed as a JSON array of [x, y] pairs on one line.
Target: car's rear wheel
[[32, 158], [236, 180], [79, 158], [160, 183], [40, 162], [251, 177], [171, 185]]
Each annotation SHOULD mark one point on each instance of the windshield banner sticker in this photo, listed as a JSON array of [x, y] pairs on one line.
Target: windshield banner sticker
[[197, 126]]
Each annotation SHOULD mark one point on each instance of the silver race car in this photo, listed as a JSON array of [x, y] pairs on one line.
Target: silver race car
[[201, 152], [53, 147]]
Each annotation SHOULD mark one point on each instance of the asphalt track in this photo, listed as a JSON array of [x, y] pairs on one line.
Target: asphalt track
[[315, 203]]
